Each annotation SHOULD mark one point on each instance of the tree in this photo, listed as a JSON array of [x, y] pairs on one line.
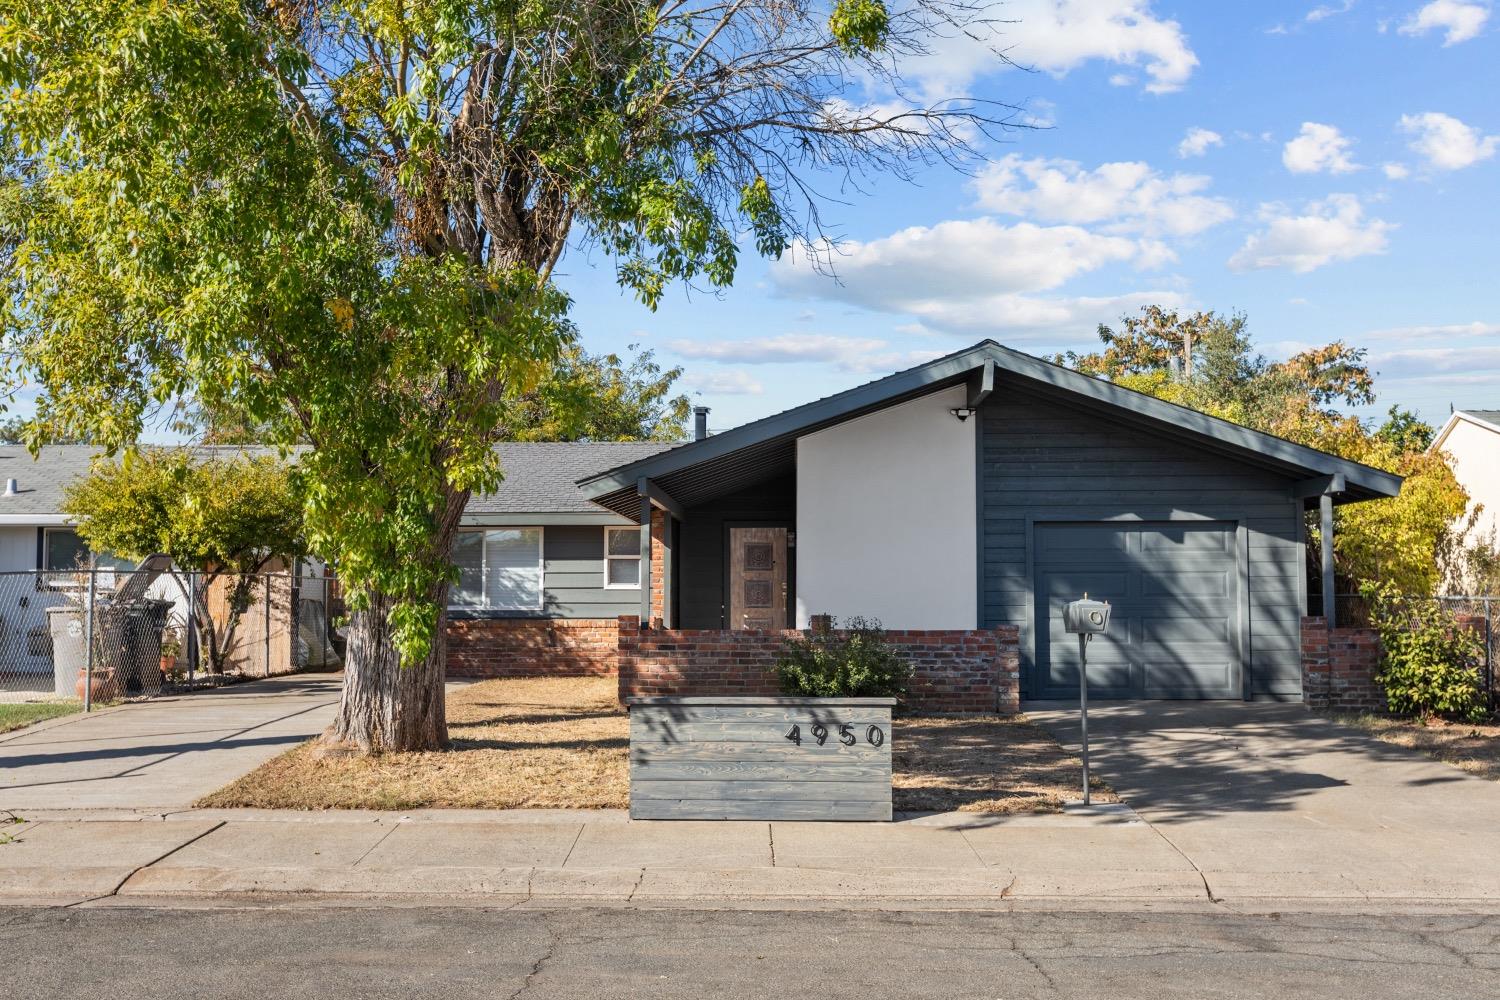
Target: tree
[[1302, 399], [13, 431], [225, 519], [600, 397], [342, 217]]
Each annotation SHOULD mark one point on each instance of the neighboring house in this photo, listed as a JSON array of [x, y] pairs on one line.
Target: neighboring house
[[960, 502], [1472, 440]]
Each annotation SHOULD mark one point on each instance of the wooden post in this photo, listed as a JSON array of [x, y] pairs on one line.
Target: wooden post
[[267, 637], [1325, 531]]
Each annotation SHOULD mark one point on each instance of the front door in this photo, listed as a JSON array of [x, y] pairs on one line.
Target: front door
[[757, 577]]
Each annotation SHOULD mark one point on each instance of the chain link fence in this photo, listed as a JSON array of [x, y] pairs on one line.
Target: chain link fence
[[101, 635], [1480, 613]]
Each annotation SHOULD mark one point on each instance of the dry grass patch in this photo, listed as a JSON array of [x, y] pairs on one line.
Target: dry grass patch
[[528, 743], [563, 743], [1468, 746], [990, 764]]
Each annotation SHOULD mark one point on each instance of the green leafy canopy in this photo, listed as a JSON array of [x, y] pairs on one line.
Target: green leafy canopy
[[338, 220]]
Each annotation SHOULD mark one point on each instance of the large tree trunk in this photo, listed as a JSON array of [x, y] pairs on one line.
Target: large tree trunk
[[386, 706]]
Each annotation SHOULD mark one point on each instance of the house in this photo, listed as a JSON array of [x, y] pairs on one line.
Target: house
[[1472, 440], [961, 502], [41, 554]]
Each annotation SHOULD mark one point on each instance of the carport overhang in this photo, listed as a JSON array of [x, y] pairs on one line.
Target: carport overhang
[[679, 479]]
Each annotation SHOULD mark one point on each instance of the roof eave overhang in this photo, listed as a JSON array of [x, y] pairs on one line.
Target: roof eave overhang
[[613, 488]]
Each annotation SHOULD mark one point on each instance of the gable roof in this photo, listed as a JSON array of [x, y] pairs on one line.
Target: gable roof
[[1488, 419], [539, 478], [738, 456]]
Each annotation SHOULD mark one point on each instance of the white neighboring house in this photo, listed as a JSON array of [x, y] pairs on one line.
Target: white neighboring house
[[1472, 440]]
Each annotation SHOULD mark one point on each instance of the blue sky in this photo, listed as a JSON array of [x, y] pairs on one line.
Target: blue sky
[[1328, 168]]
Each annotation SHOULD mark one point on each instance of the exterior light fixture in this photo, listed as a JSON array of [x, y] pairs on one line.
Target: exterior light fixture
[[962, 412]]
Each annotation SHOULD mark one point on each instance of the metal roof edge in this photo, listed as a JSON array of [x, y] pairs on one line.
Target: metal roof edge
[[1452, 421], [892, 388], [829, 409]]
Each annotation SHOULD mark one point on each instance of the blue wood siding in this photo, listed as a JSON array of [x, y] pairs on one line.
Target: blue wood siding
[[1043, 458]]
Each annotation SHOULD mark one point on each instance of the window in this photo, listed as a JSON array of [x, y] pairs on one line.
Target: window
[[63, 552], [499, 569], [622, 558]]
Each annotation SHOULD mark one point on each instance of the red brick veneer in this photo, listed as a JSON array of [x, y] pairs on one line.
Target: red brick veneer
[[1339, 667], [532, 647], [956, 671]]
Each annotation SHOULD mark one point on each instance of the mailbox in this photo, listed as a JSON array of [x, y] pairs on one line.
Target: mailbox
[[1085, 616]]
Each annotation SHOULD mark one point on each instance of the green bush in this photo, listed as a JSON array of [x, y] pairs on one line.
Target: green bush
[[856, 661], [1429, 663]]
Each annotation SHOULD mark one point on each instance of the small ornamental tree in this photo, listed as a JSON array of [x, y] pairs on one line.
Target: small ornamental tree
[[225, 519], [340, 219]]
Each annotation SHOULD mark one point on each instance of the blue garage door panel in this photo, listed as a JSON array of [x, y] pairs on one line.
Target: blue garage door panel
[[1174, 628]]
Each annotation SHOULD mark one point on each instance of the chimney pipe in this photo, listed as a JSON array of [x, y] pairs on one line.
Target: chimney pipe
[[700, 423], [12, 487]]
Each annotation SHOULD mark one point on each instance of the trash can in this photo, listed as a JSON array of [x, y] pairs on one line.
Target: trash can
[[69, 651], [131, 643]]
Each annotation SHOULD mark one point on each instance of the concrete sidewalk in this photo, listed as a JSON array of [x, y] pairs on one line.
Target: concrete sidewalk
[[1106, 857], [163, 754]]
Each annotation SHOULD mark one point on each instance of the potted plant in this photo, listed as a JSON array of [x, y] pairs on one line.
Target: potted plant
[[103, 687]]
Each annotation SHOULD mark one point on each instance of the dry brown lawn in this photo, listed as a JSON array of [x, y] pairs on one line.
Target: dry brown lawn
[[563, 743], [1468, 746]]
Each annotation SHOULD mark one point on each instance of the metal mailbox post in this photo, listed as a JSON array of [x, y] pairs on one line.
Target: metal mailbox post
[[1085, 619]]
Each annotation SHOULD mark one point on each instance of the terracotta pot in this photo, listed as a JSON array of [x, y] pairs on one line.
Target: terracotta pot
[[103, 687], [168, 663]]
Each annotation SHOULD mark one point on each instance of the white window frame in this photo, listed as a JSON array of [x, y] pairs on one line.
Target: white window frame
[[541, 570], [607, 557]]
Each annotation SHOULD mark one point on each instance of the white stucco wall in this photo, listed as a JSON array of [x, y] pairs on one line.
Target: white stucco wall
[[886, 517], [1475, 452]]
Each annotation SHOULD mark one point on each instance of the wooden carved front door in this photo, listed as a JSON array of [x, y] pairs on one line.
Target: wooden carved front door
[[757, 577]]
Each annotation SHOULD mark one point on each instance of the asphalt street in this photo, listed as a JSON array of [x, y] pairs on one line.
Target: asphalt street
[[84, 954]]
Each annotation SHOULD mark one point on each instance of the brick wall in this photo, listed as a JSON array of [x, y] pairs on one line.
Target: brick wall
[[1339, 667], [532, 647], [658, 563], [956, 671]]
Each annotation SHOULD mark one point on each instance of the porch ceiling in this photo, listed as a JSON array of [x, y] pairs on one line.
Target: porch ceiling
[[716, 477]]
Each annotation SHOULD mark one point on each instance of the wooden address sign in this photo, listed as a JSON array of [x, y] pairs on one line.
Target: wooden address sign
[[760, 758]]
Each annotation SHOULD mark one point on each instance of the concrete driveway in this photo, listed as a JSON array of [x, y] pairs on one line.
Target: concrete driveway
[[163, 754], [1272, 794]]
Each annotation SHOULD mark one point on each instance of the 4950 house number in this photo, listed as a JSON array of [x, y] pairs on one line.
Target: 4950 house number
[[819, 734]]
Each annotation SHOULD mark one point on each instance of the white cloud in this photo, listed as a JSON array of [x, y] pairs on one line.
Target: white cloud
[[855, 354], [1327, 10], [1197, 142], [1458, 19], [1446, 333], [1058, 36], [1126, 197], [1396, 171], [1334, 229], [1318, 148], [724, 383], [975, 276], [1446, 142]]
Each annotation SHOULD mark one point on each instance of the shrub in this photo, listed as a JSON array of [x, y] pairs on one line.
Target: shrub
[[856, 661], [1429, 663]]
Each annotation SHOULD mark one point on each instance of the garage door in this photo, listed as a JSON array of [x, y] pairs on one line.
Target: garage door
[[1174, 626]]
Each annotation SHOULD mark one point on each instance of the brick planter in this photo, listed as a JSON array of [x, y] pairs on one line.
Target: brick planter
[[960, 671]]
